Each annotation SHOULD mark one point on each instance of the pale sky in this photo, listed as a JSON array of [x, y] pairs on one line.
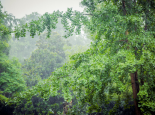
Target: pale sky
[[19, 8]]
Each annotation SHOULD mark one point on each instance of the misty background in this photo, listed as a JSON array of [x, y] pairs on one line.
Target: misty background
[[27, 10], [40, 56]]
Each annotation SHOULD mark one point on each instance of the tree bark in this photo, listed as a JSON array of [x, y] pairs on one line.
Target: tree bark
[[66, 106], [135, 88]]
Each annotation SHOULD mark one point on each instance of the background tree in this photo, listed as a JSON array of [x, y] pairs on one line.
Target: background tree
[[23, 47], [45, 59]]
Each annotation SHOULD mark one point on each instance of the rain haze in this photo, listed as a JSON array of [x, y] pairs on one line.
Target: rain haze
[[20, 8]]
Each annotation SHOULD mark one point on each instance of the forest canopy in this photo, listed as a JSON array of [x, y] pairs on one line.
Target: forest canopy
[[119, 65]]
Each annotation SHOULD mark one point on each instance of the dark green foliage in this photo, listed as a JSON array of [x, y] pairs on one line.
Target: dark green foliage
[[40, 106]]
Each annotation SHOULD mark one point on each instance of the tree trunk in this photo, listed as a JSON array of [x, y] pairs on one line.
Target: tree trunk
[[66, 106], [135, 88]]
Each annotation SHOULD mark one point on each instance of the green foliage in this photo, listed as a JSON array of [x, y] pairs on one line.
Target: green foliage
[[10, 76], [123, 43], [3, 99], [45, 59], [11, 80], [39, 106]]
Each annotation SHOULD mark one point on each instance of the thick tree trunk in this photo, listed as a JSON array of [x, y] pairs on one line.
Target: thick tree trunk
[[66, 106], [135, 88]]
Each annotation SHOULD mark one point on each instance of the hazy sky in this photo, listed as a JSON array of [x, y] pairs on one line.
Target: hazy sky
[[19, 8]]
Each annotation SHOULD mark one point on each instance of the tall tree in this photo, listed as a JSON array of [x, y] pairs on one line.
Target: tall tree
[[10, 72]]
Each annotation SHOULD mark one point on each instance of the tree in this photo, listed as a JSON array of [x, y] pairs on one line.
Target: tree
[[45, 59], [122, 52], [11, 80], [23, 47]]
